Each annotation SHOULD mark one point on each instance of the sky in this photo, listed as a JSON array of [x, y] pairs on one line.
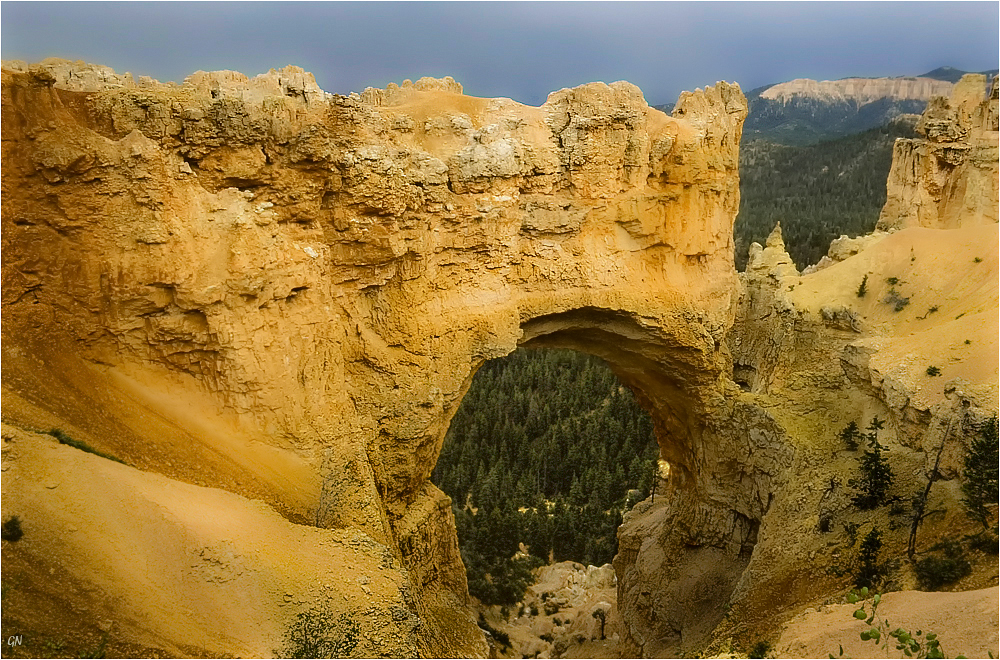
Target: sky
[[520, 50]]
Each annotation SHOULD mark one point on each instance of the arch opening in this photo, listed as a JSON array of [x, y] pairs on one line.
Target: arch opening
[[690, 522], [546, 433]]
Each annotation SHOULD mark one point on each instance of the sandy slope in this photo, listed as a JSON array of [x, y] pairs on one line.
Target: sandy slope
[[221, 572], [936, 270], [965, 621]]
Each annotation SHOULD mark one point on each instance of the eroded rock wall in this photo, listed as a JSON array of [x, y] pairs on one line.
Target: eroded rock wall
[[328, 272], [949, 177]]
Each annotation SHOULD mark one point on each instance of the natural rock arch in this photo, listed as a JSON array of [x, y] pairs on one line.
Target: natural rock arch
[[330, 271]]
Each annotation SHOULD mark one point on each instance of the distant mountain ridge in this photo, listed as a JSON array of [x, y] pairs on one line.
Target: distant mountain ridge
[[860, 91], [806, 111]]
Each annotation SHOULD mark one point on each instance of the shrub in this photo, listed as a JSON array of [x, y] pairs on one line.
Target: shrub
[[876, 474], [65, 439], [851, 529], [863, 288], [936, 571], [895, 299], [500, 636], [11, 530], [912, 646], [760, 650], [984, 542], [933, 371], [320, 633]]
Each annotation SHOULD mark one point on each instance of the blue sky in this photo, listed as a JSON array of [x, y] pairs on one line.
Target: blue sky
[[522, 50]]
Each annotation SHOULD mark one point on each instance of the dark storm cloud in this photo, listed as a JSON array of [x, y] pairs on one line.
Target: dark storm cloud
[[521, 50]]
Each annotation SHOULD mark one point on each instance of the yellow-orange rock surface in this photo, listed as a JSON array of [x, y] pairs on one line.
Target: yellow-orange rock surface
[[250, 284], [268, 302], [949, 177]]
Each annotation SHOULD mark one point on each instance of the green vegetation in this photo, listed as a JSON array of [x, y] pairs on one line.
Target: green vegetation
[[876, 476], [980, 489], [64, 439], [949, 566], [930, 310], [863, 288], [851, 530], [320, 633], [11, 530], [869, 571], [911, 645], [818, 192], [852, 436], [98, 651], [760, 650], [895, 298], [805, 121], [502, 638], [601, 615], [547, 449]]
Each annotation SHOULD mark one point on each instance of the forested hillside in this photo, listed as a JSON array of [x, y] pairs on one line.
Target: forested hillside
[[807, 121], [544, 450], [816, 192]]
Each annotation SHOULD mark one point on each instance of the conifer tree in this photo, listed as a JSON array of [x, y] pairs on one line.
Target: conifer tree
[[980, 489], [876, 475]]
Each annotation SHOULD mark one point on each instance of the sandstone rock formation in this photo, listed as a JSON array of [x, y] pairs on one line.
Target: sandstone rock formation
[[270, 300], [949, 177], [860, 91], [297, 287]]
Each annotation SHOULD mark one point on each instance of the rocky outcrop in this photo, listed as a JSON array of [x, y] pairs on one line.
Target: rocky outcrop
[[568, 612], [859, 91], [318, 277], [948, 178]]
